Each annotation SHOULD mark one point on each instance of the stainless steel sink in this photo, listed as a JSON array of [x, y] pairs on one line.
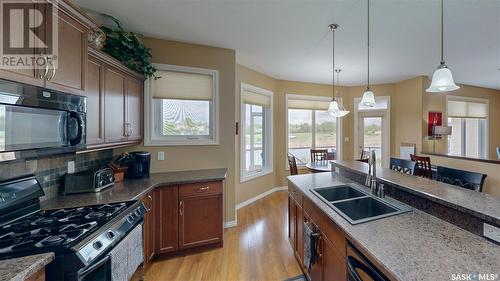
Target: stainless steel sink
[[356, 205], [340, 192]]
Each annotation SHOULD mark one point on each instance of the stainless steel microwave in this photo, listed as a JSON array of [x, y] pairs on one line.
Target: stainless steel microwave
[[35, 121]]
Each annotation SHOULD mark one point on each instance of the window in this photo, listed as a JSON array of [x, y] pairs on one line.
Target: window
[[310, 126], [182, 106], [256, 132], [468, 119]]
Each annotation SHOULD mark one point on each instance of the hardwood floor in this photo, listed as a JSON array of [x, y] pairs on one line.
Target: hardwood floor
[[257, 249]]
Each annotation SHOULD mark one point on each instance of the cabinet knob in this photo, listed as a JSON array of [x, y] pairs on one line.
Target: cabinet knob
[[201, 189], [46, 62], [53, 71]]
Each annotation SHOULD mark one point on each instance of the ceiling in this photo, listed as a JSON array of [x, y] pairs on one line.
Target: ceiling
[[289, 39]]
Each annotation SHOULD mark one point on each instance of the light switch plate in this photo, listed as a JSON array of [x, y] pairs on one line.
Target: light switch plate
[[161, 155], [491, 232], [346, 139], [71, 167]]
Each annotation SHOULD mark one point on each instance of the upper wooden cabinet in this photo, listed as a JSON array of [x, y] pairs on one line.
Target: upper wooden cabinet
[[120, 93], [67, 71]]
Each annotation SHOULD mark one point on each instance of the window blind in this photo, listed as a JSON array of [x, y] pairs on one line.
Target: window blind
[[316, 104], [467, 109], [256, 98], [182, 86]]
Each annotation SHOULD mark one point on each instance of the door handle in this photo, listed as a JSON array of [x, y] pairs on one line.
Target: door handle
[[53, 71], [46, 66], [180, 208], [201, 189], [150, 199]]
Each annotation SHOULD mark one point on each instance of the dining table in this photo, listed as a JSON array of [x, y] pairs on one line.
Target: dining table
[[319, 166]]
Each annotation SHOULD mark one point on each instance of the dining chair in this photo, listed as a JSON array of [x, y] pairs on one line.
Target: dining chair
[[423, 166], [331, 155], [318, 155], [470, 180], [364, 156], [293, 165], [402, 166], [498, 152]]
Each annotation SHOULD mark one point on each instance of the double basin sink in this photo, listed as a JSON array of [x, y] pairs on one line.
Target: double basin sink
[[356, 205]]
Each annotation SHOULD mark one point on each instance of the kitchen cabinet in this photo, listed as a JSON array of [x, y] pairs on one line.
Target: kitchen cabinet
[[118, 93], [331, 250], [66, 71], [149, 227], [200, 214], [166, 235], [37, 276]]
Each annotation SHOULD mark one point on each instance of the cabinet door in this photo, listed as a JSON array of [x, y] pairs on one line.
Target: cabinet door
[[291, 221], [200, 220], [148, 228], [166, 219], [95, 102], [334, 267], [28, 75], [134, 108], [316, 273], [114, 106], [68, 73]]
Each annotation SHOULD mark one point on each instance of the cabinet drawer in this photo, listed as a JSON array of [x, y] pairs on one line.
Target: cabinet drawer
[[199, 189], [296, 193]]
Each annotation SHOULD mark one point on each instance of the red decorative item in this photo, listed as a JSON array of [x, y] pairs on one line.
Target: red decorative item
[[435, 119]]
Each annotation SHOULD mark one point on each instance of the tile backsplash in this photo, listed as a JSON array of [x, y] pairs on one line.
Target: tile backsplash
[[50, 170]]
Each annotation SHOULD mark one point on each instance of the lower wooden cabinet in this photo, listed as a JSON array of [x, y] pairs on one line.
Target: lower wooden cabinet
[[182, 217], [330, 265]]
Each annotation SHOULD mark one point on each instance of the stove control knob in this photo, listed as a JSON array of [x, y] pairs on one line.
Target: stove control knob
[[130, 218], [111, 235], [138, 212], [97, 245]]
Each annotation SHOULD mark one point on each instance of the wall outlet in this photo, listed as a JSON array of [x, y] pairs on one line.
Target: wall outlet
[[491, 232], [71, 167], [161, 155], [346, 139]]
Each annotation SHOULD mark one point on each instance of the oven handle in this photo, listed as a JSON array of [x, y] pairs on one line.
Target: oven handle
[[92, 267], [80, 128], [353, 263]]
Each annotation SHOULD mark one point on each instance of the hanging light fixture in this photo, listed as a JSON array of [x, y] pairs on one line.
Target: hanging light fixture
[[342, 110], [442, 80], [336, 108], [368, 96]]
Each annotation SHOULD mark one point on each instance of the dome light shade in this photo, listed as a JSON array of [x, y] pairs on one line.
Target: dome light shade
[[442, 81], [368, 98], [334, 107]]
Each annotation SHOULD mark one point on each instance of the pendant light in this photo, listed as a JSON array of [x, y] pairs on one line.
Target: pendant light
[[342, 110], [442, 80], [336, 108], [368, 96]]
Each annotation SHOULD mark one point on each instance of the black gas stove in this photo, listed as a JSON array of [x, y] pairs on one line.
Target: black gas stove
[[79, 237]]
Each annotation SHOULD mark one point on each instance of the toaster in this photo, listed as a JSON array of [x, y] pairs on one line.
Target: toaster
[[88, 181]]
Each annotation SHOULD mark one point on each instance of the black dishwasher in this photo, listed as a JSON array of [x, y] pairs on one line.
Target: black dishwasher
[[360, 268]]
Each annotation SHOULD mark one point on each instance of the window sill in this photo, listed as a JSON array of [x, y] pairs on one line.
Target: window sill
[[180, 142], [254, 175]]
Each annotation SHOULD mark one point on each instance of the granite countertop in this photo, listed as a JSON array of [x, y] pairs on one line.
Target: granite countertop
[[482, 205], [133, 189], [410, 246], [18, 269]]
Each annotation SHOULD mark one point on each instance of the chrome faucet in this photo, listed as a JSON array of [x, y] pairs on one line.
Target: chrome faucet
[[371, 178]]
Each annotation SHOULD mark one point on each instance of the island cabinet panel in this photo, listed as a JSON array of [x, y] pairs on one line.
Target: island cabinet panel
[[37, 276], [149, 227], [331, 250], [167, 219], [200, 214]]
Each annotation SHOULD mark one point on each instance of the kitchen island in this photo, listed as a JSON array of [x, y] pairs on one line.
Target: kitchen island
[[409, 246]]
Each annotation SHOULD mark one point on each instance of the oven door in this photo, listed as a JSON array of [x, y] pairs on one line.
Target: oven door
[[359, 268], [98, 271]]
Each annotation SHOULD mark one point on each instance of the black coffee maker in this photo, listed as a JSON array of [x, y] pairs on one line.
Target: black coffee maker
[[138, 163]]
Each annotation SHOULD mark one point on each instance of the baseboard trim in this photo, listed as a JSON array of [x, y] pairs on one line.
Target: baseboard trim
[[260, 196], [229, 224]]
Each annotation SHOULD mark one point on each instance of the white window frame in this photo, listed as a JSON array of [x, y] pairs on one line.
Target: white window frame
[[150, 118], [487, 129], [268, 140], [339, 143]]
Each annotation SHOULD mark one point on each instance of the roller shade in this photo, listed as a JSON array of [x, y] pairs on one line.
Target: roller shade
[[182, 86], [256, 99], [308, 104], [467, 109]]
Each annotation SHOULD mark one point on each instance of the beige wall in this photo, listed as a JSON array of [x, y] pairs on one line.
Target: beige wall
[[201, 157], [251, 188]]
